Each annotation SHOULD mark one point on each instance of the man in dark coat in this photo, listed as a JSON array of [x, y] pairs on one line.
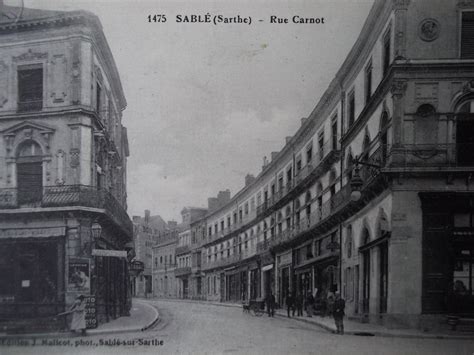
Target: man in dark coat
[[298, 305], [338, 313], [290, 301], [270, 301]]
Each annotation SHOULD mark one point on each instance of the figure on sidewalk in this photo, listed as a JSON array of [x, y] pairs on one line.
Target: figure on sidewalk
[[338, 313], [289, 303], [309, 304], [78, 310], [298, 305], [330, 303], [270, 301]]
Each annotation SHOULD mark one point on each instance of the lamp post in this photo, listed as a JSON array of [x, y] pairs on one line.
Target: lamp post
[[356, 181]]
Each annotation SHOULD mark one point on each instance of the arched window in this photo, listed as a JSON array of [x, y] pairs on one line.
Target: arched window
[[29, 169], [365, 238], [465, 132], [307, 198]]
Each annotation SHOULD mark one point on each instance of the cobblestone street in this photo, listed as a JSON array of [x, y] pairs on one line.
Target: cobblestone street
[[195, 328]]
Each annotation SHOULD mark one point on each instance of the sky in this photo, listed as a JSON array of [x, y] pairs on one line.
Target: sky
[[206, 103]]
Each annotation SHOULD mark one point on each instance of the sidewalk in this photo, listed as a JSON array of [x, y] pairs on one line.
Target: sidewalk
[[352, 327], [142, 316]]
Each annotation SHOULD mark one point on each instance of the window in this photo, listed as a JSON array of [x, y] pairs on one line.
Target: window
[[210, 231], [222, 225], [288, 176], [334, 133], [386, 52], [98, 102], [309, 153], [351, 109], [30, 88], [467, 35], [368, 82], [321, 145], [161, 260], [280, 182], [298, 164], [240, 214], [228, 221], [246, 208], [215, 228]]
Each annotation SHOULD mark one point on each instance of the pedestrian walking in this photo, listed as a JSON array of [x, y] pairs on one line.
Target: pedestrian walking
[[78, 310], [309, 305], [270, 301], [299, 305], [290, 301], [338, 313], [330, 303]]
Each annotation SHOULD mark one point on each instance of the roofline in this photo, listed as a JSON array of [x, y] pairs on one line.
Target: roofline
[[80, 17]]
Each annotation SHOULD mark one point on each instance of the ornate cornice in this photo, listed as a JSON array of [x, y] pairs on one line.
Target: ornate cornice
[[398, 88]]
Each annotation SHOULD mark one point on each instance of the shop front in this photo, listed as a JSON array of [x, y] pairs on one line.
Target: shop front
[[32, 282], [448, 253]]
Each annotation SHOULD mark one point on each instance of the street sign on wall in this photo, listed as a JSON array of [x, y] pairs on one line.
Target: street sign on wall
[[106, 252]]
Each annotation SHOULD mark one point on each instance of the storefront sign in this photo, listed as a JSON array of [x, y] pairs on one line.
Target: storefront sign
[[91, 312], [79, 275], [32, 232], [285, 259], [113, 253]]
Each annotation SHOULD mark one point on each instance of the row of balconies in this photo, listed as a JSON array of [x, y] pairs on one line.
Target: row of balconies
[[313, 167], [67, 196], [436, 156]]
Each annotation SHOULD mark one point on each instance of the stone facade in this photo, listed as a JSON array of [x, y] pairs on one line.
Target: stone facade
[[63, 152], [372, 195]]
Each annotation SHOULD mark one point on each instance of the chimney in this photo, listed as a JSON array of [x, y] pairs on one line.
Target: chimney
[[249, 179], [147, 216], [288, 139], [223, 197], [274, 154], [212, 203], [265, 162]]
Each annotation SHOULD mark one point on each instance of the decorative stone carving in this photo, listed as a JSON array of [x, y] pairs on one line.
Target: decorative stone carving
[[30, 56], [468, 87], [20, 132], [429, 30], [398, 88], [60, 156], [75, 157]]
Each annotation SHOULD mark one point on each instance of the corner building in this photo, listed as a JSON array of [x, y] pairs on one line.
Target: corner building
[[63, 152], [399, 247]]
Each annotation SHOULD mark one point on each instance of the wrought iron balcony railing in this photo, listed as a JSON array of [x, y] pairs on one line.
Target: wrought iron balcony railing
[[67, 196]]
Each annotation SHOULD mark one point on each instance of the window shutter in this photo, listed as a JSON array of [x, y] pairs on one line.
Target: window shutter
[[467, 35]]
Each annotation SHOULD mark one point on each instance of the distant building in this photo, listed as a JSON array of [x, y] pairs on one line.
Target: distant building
[[64, 229], [183, 250], [146, 231], [164, 262]]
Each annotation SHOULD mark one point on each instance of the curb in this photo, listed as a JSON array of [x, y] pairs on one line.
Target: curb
[[329, 328], [68, 334]]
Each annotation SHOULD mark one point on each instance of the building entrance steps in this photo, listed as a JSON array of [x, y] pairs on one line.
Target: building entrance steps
[[351, 327]]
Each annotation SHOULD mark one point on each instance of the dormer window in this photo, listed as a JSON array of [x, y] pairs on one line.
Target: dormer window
[[30, 87]]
